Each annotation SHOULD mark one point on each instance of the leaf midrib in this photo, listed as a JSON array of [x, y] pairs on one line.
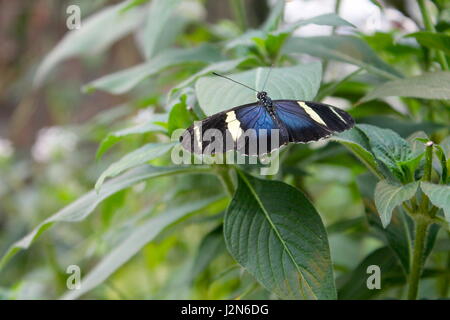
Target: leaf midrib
[[258, 200]]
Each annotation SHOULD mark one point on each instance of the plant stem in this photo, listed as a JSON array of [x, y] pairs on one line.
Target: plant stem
[[224, 174], [417, 259], [428, 24]]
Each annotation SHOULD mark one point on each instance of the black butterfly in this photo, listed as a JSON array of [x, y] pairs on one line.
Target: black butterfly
[[261, 127]]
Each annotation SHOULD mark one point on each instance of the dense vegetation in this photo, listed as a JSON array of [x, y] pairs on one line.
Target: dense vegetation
[[378, 194]]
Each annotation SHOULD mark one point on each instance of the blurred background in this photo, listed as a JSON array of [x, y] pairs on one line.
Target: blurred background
[[50, 130]]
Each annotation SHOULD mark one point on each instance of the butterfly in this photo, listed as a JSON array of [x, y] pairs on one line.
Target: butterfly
[[264, 126]]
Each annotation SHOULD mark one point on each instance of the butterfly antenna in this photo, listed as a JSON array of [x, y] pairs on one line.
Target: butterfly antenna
[[216, 74], [267, 78]]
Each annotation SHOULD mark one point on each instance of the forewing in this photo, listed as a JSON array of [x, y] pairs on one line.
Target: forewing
[[308, 121]]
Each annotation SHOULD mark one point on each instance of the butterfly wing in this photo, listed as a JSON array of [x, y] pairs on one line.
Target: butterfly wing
[[308, 121], [247, 128]]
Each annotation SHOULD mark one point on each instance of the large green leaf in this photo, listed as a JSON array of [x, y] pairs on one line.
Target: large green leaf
[[124, 80], [134, 242], [329, 19], [348, 49], [357, 143], [439, 195], [114, 137], [439, 41], [160, 17], [217, 94], [426, 86], [222, 66], [133, 159], [83, 206], [93, 37], [273, 231], [389, 195]]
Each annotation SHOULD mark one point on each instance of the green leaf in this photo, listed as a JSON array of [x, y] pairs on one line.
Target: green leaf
[[160, 16], [388, 147], [426, 86], [179, 116], [222, 66], [273, 231], [133, 159], [114, 137], [439, 195], [300, 82], [211, 246], [93, 37], [329, 19], [134, 242], [83, 206], [275, 16], [438, 41], [348, 49], [389, 195], [125, 80], [357, 143], [354, 285]]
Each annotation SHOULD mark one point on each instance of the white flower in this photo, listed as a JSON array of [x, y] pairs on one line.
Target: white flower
[[52, 142], [6, 148], [144, 116]]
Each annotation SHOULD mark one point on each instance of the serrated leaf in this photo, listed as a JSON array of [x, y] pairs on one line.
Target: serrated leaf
[[83, 206], [388, 196], [133, 159], [439, 195], [92, 37], [114, 137], [300, 82], [273, 231], [125, 80], [134, 242], [388, 147], [348, 49], [426, 86], [357, 143], [432, 40]]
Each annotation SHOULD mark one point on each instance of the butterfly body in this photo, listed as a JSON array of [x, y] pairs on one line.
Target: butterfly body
[[261, 127]]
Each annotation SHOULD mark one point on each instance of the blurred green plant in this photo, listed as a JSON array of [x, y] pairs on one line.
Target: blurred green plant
[[249, 237]]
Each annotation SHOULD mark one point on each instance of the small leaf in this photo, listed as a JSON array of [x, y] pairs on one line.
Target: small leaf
[[83, 206], [432, 40], [92, 37], [439, 195], [179, 116], [300, 82], [134, 242], [388, 196], [348, 49], [426, 86], [114, 137], [357, 143], [125, 80], [133, 159], [388, 147], [273, 231]]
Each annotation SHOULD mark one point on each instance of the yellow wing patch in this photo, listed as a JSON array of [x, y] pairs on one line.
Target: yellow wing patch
[[233, 125], [311, 113]]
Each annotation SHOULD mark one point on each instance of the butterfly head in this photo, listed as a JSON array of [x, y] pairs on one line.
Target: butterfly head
[[264, 98]]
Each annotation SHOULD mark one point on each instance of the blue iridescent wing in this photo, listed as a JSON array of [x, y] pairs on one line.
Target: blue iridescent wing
[[247, 128], [307, 121]]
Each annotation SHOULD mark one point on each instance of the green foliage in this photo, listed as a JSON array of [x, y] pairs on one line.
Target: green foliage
[[377, 194]]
